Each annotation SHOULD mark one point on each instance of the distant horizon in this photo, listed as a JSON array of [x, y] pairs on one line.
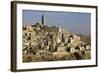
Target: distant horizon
[[75, 22]]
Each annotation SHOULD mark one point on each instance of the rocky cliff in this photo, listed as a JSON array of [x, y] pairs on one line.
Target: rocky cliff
[[52, 43]]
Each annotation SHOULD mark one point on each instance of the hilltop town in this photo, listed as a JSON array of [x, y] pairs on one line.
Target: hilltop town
[[42, 42]]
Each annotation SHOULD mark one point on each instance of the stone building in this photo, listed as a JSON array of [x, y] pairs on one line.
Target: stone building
[[51, 41]]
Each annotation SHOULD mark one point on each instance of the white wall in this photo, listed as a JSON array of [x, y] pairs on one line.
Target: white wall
[[5, 37]]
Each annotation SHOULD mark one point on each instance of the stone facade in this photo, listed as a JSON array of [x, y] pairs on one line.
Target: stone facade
[[51, 43]]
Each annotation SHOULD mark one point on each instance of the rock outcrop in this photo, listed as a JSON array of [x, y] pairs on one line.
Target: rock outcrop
[[52, 43]]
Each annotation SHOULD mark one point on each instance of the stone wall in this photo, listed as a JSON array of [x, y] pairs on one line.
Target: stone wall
[[51, 43]]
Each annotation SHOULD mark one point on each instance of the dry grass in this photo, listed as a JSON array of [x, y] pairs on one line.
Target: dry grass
[[86, 39], [67, 56]]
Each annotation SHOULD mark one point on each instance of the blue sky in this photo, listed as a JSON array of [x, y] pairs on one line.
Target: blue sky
[[75, 22]]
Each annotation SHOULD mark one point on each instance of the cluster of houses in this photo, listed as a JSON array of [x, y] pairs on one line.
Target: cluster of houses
[[51, 43]]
